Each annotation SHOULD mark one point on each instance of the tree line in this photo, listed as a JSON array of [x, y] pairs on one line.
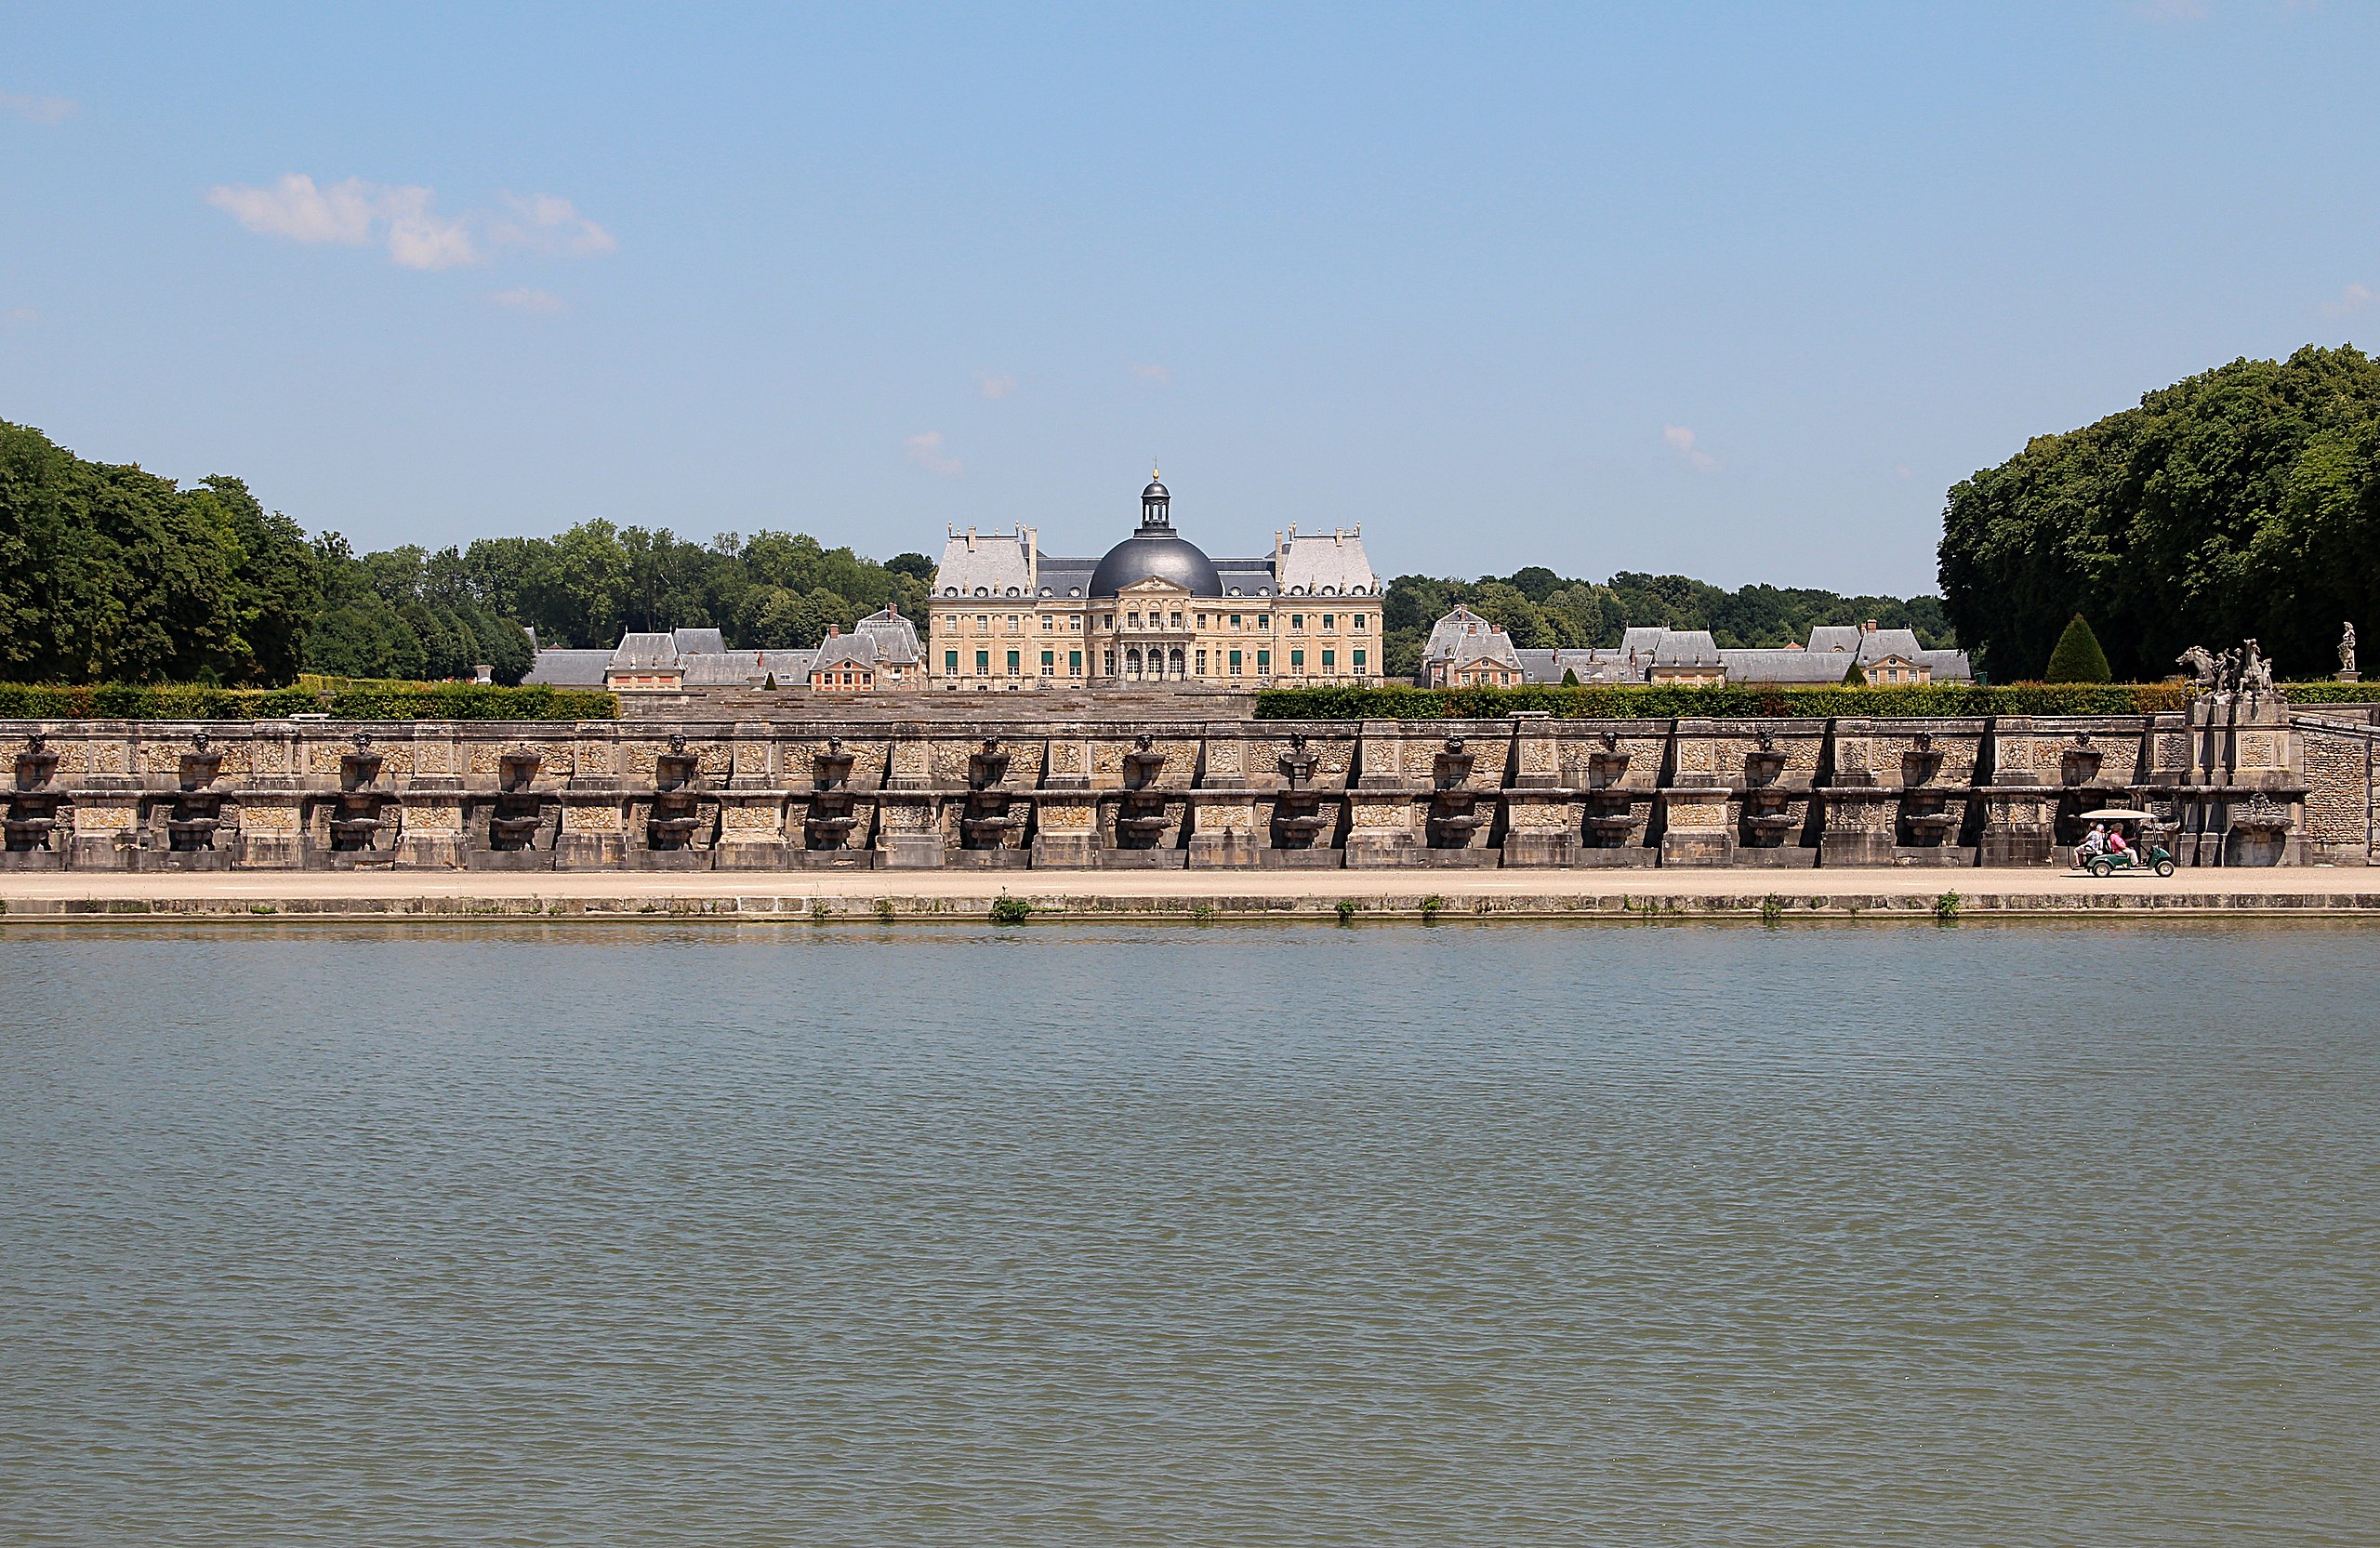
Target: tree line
[[111, 574], [2244, 502]]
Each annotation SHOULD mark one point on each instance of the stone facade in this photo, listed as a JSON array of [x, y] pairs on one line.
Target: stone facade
[[957, 789]]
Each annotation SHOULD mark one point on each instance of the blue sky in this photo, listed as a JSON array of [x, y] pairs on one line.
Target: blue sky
[[1737, 291]]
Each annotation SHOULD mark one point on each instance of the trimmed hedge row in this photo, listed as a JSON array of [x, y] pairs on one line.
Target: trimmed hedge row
[[2331, 693], [347, 701], [1742, 701]]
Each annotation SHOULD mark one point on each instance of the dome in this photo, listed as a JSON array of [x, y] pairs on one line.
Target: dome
[[1162, 554], [1155, 491]]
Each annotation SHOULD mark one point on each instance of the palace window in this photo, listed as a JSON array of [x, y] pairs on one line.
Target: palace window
[[1173, 620], [1108, 662], [1359, 659], [1134, 620], [1202, 620], [950, 662], [1327, 623], [1330, 660], [1107, 620], [1235, 663], [1202, 663], [1012, 663], [1048, 663], [1297, 622], [1297, 659], [1049, 622], [1074, 663], [1263, 663], [1012, 624], [983, 663], [983, 623], [1235, 620], [1359, 622]]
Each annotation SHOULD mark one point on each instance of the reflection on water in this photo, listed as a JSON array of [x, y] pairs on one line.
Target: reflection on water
[[1509, 1235]]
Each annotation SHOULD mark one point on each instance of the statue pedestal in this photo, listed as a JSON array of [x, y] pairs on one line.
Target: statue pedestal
[[2351, 677]]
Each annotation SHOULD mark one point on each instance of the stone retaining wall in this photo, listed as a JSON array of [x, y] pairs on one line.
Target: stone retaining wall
[[2229, 784]]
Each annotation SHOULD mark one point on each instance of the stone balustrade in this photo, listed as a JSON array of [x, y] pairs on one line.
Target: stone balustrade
[[2228, 784]]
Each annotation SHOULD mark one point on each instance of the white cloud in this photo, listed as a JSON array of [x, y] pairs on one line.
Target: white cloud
[[1153, 373], [528, 297], [355, 212], [420, 238], [350, 213], [41, 110], [294, 207], [925, 451], [994, 386], [2353, 298], [1681, 438], [551, 223]]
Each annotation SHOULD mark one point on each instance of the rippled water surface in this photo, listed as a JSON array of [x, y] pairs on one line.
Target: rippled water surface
[[1176, 1235]]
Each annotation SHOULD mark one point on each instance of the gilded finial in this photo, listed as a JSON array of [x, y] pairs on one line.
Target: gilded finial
[[1155, 477]]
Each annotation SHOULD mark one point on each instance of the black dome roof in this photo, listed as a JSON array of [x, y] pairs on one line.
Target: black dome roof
[[1155, 491], [1156, 552]]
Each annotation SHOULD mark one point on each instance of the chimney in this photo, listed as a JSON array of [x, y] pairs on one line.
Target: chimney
[[1867, 628], [834, 631], [971, 539]]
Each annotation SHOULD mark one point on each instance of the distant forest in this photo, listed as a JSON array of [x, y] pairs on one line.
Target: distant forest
[[110, 574]]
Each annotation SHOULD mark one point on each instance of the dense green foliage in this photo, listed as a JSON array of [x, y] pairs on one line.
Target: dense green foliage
[[1541, 609], [110, 574], [1662, 701], [2244, 502], [2077, 656], [346, 701]]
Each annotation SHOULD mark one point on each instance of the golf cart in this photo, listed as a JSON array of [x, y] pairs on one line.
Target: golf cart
[[2139, 854]]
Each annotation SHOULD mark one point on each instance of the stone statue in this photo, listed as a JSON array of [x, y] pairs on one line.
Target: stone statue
[[2346, 653], [2256, 672], [2203, 665]]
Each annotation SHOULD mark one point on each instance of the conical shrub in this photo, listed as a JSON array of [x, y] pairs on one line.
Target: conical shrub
[[2078, 658]]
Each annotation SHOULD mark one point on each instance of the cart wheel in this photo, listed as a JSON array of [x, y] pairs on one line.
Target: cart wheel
[[2164, 868], [2102, 868]]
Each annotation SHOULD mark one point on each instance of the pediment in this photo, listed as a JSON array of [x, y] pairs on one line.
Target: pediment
[[1152, 586]]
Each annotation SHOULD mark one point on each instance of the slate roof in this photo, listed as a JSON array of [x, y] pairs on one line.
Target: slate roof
[[1325, 563], [645, 653], [1786, 666], [568, 668], [1489, 645], [1688, 647], [992, 565], [1593, 666], [892, 639]]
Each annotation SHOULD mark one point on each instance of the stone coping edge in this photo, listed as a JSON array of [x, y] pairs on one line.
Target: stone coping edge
[[895, 908]]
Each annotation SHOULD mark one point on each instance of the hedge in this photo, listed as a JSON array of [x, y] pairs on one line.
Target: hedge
[[2331, 693], [342, 700], [1739, 701]]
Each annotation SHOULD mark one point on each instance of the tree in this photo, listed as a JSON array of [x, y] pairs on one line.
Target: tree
[[2078, 658], [2241, 501], [1853, 677], [1569, 676]]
